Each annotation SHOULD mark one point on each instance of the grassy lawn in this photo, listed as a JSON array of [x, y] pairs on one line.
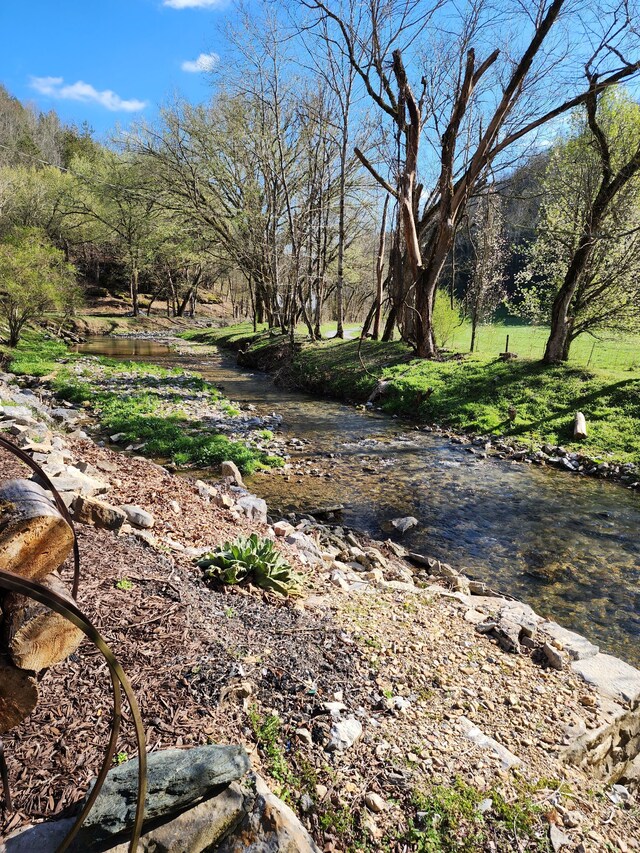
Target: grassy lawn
[[529, 342], [475, 392]]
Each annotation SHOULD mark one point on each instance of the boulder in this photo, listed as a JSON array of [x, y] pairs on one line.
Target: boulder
[[404, 524], [254, 508], [270, 827], [137, 516], [230, 469], [97, 513], [72, 480], [176, 778]]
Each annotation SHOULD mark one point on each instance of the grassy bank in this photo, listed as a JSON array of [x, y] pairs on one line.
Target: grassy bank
[[470, 393], [146, 404]]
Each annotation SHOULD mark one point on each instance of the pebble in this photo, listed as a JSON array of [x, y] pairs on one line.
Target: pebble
[[374, 802]]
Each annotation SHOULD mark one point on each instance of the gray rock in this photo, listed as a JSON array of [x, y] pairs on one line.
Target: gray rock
[[254, 508], [137, 516], [15, 412], [72, 480], [576, 646], [231, 470], [489, 744], [554, 656], [344, 733], [611, 676], [197, 829], [404, 524], [176, 778]]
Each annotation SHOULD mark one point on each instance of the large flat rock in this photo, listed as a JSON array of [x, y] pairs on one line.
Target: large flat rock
[[611, 676], [176, 779], [576, 646]]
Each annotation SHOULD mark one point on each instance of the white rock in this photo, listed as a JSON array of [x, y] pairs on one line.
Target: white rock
[[137, 516], [374, 802], [344, 733]]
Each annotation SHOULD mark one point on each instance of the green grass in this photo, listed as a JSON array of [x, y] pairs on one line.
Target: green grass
[[473, 393], [449, 819], [35, 355], [619, 353], [182, 440]]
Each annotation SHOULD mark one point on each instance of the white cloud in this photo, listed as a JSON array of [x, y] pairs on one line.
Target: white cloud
[[80, 91], [192, 4], [205, 62]]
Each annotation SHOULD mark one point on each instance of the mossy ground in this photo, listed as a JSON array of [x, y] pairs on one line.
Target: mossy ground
[[468, 392]]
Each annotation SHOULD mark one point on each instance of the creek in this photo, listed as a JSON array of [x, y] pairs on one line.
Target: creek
[[567, 545]]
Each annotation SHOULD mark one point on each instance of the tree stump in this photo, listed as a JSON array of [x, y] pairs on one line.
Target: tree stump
[[18, 694]]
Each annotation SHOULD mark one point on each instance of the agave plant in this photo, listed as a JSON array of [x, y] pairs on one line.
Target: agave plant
[[251, 559]]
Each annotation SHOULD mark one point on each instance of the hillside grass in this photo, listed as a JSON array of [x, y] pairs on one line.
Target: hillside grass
[[470, 393]]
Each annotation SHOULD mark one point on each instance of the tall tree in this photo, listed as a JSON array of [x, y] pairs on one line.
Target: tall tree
[[474, 101]]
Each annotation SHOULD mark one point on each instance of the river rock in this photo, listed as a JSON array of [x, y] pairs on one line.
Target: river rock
[[97, 513], [254, 508], [176, 778], [489, 744], [137, 516], [72, 480], [404, 524], [230, 469]]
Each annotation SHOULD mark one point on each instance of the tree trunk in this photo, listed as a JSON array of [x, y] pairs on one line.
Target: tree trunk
[[18, 694], [379, 270], [37, 637], [34, 538], [134, 292]]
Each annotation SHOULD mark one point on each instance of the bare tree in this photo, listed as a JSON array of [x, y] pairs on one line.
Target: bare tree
[[474, 101]]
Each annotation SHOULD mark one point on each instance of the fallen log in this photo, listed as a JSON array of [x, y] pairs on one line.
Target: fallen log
[[18, 694], [34, 537], [579, 426], [35, 636]]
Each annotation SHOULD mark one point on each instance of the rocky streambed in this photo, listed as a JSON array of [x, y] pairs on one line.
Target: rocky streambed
[[394, 675]]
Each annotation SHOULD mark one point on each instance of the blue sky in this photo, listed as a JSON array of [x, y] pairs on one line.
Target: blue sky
[[109, 61]]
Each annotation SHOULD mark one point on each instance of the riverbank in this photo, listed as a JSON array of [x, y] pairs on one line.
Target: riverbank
[[520, 408], [443, 737]]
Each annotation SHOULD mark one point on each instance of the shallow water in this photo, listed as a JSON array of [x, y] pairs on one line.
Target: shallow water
[[567, 545]]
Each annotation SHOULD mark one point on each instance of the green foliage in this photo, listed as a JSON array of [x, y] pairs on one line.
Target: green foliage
[[445, 318], [448, 819], [173, 437], [267, 734], [253, 560], [124, 584], [607, 296], [34, 279]]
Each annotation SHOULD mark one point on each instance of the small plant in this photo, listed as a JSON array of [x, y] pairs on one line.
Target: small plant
[[124, 583], [254, 560], [120, 758]]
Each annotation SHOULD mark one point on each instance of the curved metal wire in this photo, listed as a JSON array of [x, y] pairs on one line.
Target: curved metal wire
[[70, 611]]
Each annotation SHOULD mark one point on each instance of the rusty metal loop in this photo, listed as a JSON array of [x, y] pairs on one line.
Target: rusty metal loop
[[119, 680]]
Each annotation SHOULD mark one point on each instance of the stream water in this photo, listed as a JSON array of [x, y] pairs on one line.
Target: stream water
[[567, 545]]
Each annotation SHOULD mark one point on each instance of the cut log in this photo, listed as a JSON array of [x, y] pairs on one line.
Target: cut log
[[34, 538], [579, 426], [18, 694], [36, 636]]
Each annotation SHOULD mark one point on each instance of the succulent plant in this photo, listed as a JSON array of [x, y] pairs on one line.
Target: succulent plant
[[253, 560]]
